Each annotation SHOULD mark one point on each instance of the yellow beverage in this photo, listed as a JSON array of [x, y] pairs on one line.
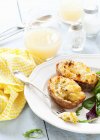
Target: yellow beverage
[[71, 10], [42, 42]]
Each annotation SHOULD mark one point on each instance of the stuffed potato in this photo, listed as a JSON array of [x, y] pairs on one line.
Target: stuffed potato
[[65, 92], [79, 72]]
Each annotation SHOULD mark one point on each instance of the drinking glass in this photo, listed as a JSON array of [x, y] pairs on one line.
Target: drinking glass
[[43, 39], [71, 10]]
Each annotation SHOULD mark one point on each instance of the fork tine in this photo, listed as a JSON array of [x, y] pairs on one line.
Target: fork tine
[[9, 35], [57, 111], [60, 111], [6, 31]]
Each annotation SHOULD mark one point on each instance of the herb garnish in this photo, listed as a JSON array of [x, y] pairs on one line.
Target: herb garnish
[[33, 133]]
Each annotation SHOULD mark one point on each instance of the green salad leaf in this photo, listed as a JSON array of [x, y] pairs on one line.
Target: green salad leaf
[[78, 110], [33, 133], [98, 72], [89, 103], [97, 107], [98, 97], [97, 88]]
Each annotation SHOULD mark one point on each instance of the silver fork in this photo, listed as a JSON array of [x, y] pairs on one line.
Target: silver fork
[[54, 107]]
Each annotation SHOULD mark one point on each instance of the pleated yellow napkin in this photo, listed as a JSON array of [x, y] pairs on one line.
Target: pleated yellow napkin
[[12, 98]]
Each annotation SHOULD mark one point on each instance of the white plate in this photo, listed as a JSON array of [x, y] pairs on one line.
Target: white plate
[[40, 76]]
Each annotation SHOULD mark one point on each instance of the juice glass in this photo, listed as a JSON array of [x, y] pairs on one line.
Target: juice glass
[[43, 41], [70, 10]]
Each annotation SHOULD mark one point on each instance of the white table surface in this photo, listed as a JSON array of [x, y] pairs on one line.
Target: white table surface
[[12, 130]]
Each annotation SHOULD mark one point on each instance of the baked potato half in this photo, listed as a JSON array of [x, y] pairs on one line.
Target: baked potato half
[[79, 72], [65, 92]]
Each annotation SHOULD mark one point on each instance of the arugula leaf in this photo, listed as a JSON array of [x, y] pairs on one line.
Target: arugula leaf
[[89, 103], [78, 110], [98, 96], [97, 88], [33, 133]]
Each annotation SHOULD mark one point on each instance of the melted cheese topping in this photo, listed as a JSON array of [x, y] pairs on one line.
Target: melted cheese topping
[[77, 71], [66, 88]]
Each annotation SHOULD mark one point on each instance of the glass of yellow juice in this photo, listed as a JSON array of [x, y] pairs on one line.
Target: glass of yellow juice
[[71, 10], [42, 41]]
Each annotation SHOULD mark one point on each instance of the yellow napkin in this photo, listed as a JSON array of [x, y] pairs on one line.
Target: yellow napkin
[[12, 98]]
